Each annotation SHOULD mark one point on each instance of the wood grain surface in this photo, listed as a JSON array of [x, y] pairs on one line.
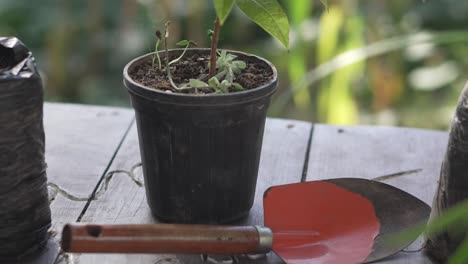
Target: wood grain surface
[[282, 161], [80, 143], [84, 143], [406, 158]]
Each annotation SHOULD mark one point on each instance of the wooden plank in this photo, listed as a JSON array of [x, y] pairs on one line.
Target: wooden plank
[[370, 152], [284, 148], [80, 142], [412, 156]]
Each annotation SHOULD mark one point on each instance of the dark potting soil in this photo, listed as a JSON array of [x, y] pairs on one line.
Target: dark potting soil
[[195, 66]]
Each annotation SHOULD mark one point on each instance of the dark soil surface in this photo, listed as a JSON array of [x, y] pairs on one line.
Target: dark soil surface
[[195, 66]]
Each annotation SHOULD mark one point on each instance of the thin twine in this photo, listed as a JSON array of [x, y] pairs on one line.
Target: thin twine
[[68, 258], [56, 189]]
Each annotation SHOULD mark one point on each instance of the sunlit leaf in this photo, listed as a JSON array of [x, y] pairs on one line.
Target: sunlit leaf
[[330, 25], [269, 15], [342, 108], [299, 11], [223, 8], [297, 67]]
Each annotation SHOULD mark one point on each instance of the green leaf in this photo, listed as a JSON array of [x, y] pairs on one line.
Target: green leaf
[[238, 87], [213, 82], [197, 83], [239, 64], [223, 8], [229, 75], [221, 74], [269, 15], [183, 43], [224, 86]]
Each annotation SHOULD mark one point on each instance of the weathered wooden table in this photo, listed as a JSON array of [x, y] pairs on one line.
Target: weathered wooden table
[[85, 143]]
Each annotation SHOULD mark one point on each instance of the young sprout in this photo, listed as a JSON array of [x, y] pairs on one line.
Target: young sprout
[[183, 43], [226, 67], [168, 70], [166, 36], [156, 47]]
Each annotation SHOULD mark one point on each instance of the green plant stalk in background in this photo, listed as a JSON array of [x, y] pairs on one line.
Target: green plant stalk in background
[[341, 107], [299, 11], [360, 54], [331, 23]]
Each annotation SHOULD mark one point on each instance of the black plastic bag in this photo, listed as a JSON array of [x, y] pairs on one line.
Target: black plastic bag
[[24, 206]]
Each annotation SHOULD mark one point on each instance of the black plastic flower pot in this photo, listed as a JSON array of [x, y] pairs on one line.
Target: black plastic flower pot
[[200, 153]]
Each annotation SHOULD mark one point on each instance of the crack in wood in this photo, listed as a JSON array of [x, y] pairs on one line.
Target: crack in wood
[[106, 170], [307, 154], [395, 175]]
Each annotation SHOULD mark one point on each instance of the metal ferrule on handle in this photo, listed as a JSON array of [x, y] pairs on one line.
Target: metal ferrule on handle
[[166, 238]]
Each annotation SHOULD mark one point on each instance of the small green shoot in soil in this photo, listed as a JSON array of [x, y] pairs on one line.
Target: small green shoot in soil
[[268, 14], [156, 49], [227, 69]]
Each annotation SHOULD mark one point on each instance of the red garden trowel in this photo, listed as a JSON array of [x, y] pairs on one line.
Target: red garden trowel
[[329, 221]]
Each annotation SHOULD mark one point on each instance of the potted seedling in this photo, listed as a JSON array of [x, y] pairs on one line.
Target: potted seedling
[[200, 115]]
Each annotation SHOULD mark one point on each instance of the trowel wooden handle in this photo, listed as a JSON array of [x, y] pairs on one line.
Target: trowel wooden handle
[[166, 238]]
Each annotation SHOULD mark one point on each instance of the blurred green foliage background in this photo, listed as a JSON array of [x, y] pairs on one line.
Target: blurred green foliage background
[[398, 62]]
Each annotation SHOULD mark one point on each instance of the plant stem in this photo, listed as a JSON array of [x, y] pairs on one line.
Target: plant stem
[[167, 54], [156, 54], [180, 57], [214, 45]]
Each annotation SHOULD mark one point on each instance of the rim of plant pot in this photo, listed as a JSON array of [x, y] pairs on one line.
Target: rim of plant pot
[[234, 98]]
